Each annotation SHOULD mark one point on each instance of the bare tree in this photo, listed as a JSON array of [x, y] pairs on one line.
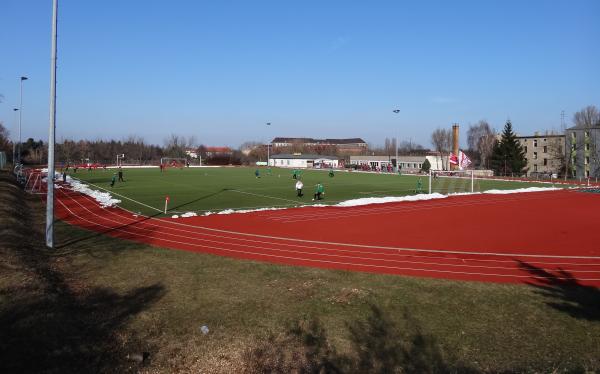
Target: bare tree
[[441, 139], [175, 146], [480, 139], [587, 117]]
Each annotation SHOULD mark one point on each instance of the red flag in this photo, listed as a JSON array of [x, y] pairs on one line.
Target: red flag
[[453, 159]]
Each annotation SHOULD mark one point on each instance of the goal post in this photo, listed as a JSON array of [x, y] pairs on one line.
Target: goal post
[[451, 181], [172, 161]]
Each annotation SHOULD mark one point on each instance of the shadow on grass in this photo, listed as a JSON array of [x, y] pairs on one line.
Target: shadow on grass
[[50, 321], [565, 293], [379, 345]]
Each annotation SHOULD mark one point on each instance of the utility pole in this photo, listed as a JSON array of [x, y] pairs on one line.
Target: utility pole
[[20, 116]]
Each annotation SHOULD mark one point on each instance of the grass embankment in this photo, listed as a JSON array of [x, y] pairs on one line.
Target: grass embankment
[[95, 300], [209, 189]]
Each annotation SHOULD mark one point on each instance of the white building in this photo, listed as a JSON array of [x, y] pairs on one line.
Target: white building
[[411, 164], [303, 161]]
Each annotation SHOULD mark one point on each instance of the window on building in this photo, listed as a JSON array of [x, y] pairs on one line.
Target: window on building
[[545, 162], [545, 149], [587, 134], [534, 167], [587, 160], [288, 162], [535, 155], [535, 142], [587, 146]]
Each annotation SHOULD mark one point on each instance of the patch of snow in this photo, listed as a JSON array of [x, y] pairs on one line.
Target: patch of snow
[[188, 214], [103, 198], [519, 190], [175, 216], [390, 199]]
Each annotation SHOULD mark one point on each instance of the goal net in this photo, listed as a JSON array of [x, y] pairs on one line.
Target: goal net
[[452, 181], [173, 162]]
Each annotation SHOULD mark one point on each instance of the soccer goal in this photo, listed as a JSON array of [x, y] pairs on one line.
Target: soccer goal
[[173, 162], [452, 181]]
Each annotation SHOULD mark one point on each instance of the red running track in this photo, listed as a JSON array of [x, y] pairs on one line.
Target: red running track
[[541, 237]]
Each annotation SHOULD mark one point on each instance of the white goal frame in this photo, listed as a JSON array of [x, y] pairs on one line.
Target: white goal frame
[[451, 174], [164, 160]]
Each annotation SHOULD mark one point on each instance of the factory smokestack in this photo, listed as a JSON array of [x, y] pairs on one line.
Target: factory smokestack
[[455, 143]]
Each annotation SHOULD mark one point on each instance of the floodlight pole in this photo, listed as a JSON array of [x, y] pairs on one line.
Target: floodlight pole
[[51, 134]]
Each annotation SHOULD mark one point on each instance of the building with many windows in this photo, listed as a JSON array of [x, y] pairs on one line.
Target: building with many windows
[[352, 146], [583, 151], [544, 153]]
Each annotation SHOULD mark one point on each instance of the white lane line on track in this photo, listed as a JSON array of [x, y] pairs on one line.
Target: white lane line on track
[[400, 249], [337, 262], [428, 204], [301, 252], [147, 222], [324, 254]]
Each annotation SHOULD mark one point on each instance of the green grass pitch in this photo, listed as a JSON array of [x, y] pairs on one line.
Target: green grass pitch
[[213, 189]]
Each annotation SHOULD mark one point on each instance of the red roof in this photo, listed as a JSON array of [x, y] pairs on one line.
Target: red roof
[[218, 149]]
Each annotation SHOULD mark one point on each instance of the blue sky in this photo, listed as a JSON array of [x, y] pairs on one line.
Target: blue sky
[[219, 70]]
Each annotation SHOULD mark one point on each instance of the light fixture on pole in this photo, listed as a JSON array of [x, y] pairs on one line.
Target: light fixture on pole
[[20, 116], [51, 133]]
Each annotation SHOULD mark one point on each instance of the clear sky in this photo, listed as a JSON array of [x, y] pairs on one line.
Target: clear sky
[[219, 70]]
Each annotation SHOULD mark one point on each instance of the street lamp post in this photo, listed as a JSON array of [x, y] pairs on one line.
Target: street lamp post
[[14, 159], [20, 116], [269, 149], [397, 163]]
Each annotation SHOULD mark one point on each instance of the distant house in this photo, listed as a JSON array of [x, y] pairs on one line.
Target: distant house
[[343, 146], [218, 151], [303, 161]]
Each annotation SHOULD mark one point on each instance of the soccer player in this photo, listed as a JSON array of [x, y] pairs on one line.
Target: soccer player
[[419, 186], [295, 174], [330, 173], [113, 180], [320, 190], [257, 173], [299, 186], [121, 175]]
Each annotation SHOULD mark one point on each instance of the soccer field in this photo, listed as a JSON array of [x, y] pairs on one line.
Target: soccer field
[[202, 190]]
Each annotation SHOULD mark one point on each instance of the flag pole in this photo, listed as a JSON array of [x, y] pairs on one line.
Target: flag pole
[[51, 135]]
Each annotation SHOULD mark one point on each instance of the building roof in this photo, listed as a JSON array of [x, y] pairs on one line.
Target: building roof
[[388, 158], [303, 157], [218, 149], [541, 136], [318, 141], [597, 127]]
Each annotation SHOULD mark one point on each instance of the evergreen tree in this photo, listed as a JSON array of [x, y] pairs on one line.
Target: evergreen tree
[[508, 157], [426, 166]]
